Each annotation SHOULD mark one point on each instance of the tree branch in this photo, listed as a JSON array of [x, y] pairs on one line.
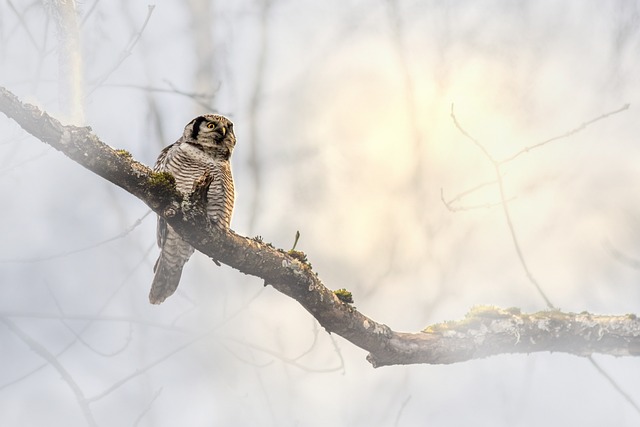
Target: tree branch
[[485, 331]]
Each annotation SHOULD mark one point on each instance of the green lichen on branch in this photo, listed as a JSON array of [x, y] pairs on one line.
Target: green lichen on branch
[[259, 239], [299, 255], [475, 318], [344, 295], [164, 184], [124, 153]]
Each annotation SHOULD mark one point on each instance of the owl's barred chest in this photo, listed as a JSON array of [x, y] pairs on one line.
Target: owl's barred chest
[[188, 164]]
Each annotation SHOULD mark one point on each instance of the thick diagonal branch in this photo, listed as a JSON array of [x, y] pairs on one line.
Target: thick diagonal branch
[[482, 333]]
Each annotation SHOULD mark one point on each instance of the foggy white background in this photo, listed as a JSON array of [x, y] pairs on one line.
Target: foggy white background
[[345, 107]]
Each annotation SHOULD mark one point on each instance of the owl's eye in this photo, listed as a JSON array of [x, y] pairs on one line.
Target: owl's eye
[[210, 125]]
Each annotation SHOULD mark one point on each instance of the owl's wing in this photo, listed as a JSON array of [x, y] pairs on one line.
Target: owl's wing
[[162, 159], [161, 165]]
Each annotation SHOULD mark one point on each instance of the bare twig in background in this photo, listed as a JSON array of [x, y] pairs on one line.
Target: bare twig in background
[[204, 99], [459, 196], [615, 384], [449, 204], [254, 108], [78, 335], [148, 407], [497, 165], [293, 361], [397, 33], [52, 360], [98, 317], [22, 163], [125, 53], [404, 404], [527, 149], [71, 77], [416, 176], [23, 24], [622, 257], [514, 237], [168, 355], [567, 134], [89, 12], [203, 21], [505, 209], [120, 235]]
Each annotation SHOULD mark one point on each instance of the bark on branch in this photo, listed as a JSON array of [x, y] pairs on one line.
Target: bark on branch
[[485, 331]]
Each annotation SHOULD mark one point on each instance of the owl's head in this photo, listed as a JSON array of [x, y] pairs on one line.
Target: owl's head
[[213, 133]]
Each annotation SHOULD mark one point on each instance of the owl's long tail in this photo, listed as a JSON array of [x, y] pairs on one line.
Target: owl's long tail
[[168, 270], [165, 282]]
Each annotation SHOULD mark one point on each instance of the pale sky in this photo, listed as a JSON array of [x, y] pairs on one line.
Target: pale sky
[[356, 142]]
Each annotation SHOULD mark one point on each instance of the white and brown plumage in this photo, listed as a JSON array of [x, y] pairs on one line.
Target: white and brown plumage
[[205, 146]]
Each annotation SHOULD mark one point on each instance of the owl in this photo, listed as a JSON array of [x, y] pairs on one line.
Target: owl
[[205, 147]]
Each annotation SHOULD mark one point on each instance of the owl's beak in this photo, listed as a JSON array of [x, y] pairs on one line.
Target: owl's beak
[[224, 131]]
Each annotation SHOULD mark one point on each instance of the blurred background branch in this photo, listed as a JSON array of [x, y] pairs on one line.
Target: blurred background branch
[[71, 66]]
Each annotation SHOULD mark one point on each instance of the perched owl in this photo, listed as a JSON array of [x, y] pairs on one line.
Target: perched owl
[[206, 145]]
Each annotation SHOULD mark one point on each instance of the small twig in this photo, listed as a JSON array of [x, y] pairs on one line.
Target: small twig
[[459, 196], [176, 350], [128, 50], [82, 249], [293, 361], [572, 132], [615, 384], [514, 237], [197, 97], [148, 407], [204, 47], [505, 209], [255, 166], [470, 138], [622, 257], [23, 24], [516, 243], [316, 334], [295, 240], [451, 208], [70, 59], [41, 351], [78, 336], [23, 162], [202, 99], [98, 317], [401, 410], [89, 13], [151, 365], [398, 37]]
